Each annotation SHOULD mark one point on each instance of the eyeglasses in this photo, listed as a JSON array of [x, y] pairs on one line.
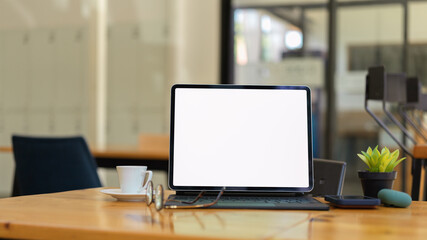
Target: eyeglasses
[[157, 196]]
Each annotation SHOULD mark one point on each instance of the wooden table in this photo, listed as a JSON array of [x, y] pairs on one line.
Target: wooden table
[[89, 214], [155, 158]]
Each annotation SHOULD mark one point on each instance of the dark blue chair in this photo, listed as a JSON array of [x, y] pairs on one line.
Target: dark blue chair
[[46, 165]]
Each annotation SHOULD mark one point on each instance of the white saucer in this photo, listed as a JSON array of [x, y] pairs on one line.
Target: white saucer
[[127, 197]]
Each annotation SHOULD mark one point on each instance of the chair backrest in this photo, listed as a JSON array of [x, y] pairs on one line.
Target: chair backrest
[[45, 165], [422, 103], [413, 91], [409, 111], [389, 88], [328, 177]]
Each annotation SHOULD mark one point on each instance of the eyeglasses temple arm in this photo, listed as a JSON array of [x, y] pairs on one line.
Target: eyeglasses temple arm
[[189, 202], [198, 205]]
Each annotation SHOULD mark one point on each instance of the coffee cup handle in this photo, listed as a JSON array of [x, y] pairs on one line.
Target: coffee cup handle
[[150, 176]]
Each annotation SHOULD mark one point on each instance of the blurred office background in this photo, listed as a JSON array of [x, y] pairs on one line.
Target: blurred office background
[[103, 68]]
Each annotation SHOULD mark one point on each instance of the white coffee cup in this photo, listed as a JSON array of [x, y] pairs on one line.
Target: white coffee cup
[[132, 178]]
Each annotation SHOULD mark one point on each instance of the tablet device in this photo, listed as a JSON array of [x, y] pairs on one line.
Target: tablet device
[[244, 138]]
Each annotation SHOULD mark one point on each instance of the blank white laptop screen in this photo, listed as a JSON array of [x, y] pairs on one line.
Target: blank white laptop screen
[[243, 137]]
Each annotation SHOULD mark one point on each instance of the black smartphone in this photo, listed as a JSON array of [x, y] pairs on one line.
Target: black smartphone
[[352, 201]]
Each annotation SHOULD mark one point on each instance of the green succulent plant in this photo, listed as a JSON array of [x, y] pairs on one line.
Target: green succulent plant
[[383, 161]]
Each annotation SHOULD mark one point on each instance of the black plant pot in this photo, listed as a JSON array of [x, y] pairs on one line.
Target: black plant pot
[[373, 182]]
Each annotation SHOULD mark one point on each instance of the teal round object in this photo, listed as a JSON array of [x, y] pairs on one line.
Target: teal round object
[[394, 198]]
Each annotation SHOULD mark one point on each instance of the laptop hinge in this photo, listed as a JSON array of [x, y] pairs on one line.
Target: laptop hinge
[[269, 194]]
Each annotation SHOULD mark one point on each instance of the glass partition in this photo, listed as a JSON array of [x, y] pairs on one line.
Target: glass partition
[[283, 43], [286, 42], [417, 38]]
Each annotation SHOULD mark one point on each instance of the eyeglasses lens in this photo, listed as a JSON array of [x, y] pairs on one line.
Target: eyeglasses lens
[[158, 201], [149, 194]]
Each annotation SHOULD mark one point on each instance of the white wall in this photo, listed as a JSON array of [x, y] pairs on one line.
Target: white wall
[[137, 69], [28, 14], [154, 44], [47, 82], [195, 41], [44, 84]]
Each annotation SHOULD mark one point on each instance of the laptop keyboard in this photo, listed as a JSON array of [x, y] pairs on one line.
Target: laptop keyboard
[[254, 202]]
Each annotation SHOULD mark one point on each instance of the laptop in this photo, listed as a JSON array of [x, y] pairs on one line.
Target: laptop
[[253, 141]]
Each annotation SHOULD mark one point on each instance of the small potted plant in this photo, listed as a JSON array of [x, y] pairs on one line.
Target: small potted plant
[[380, 172]]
